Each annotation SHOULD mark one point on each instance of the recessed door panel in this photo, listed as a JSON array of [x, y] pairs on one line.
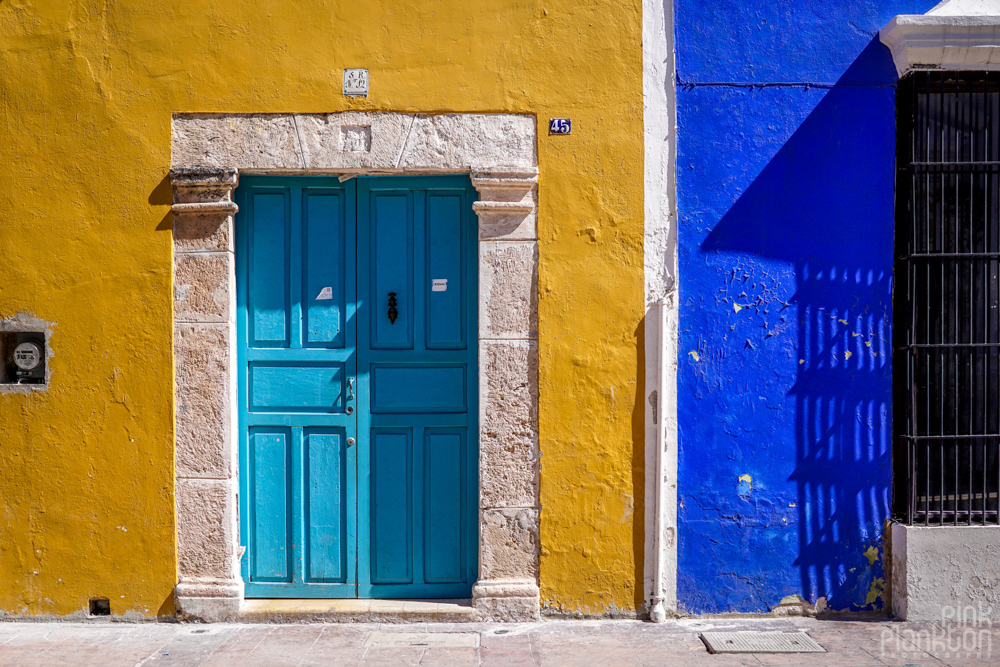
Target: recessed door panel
[[270, 455], [324, 270], [326, 506], [269, 271], [422, 388], [288, 388], [446, 300], [444, 488], [392, 271], [391, 506]]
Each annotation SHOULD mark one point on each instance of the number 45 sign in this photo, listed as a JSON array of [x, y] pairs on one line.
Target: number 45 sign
[[560, 126]]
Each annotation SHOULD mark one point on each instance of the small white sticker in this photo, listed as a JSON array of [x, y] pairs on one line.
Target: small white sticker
[[325, 294], [439, 285]]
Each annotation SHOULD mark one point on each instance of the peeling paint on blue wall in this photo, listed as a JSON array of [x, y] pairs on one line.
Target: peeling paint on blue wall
[[786, 117]]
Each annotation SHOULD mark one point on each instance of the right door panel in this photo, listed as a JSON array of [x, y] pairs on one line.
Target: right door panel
[[417, 362]]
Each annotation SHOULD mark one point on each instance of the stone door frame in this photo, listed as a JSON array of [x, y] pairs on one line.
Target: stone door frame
[[209, 151]]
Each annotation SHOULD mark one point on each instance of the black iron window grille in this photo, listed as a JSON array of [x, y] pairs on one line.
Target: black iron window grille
[[947, 320]]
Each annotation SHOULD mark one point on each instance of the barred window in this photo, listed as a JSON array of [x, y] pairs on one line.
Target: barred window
[[946, 296]]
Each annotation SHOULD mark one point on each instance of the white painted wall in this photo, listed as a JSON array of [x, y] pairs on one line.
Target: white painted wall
[[954, 35], [966, 8], [940, 571], [660, 325]]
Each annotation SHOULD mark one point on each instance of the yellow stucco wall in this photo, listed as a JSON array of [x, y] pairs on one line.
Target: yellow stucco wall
[[87, 90]]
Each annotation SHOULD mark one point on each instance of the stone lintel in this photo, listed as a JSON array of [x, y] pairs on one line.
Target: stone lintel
[[376, 142]]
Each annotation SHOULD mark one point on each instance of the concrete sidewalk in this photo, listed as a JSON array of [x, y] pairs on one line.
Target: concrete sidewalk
[[601, 643]]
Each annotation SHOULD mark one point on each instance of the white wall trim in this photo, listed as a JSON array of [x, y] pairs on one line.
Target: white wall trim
[[209, 153], [661, 308], [954, 35], [937, 571]]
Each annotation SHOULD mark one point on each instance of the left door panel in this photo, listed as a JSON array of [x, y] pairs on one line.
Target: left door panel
[[297, 347]]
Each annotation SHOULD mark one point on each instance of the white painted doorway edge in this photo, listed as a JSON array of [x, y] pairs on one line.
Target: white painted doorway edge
[[661, 308]]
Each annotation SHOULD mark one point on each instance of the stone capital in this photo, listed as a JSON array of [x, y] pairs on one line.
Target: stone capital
[[203, 208]]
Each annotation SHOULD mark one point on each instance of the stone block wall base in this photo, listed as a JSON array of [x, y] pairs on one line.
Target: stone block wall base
[[506, 601], [945, 573], [208, 603], [207, 610]]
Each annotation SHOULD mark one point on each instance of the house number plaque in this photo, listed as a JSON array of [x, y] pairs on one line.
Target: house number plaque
[[560, 126], [356, 82]]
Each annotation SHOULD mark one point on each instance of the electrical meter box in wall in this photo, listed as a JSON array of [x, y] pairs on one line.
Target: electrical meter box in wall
[[24, 357]]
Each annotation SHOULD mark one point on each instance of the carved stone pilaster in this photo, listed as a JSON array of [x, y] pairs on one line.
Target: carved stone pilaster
[[210, 587], [507, 589]]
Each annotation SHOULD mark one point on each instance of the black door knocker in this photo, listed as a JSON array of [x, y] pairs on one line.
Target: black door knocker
[[393, 313]]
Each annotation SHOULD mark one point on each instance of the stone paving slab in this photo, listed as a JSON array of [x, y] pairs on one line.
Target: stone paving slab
[[599, 643]]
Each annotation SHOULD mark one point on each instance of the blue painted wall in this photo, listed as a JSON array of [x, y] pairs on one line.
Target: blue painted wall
[[786, 152]]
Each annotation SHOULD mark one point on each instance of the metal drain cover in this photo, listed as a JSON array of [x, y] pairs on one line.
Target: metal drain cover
[[749, 641], [447, 639]]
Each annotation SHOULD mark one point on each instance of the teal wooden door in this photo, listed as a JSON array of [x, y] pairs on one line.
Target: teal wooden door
[[356, 317]]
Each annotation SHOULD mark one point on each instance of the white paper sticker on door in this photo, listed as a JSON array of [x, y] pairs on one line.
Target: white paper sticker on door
[[325, 294], [439, 285]]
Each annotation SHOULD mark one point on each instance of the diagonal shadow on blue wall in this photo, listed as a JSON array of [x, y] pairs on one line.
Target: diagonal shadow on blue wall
[[785, 380]]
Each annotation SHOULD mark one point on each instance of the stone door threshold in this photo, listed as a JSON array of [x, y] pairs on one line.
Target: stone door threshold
[[356, 611]]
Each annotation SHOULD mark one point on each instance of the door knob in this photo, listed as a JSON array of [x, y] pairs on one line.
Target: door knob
[[350, 441]]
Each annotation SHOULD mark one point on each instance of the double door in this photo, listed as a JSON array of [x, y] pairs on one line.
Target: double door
[[356, 318]]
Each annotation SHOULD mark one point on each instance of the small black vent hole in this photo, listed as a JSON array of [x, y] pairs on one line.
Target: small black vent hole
[[100, 607]]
